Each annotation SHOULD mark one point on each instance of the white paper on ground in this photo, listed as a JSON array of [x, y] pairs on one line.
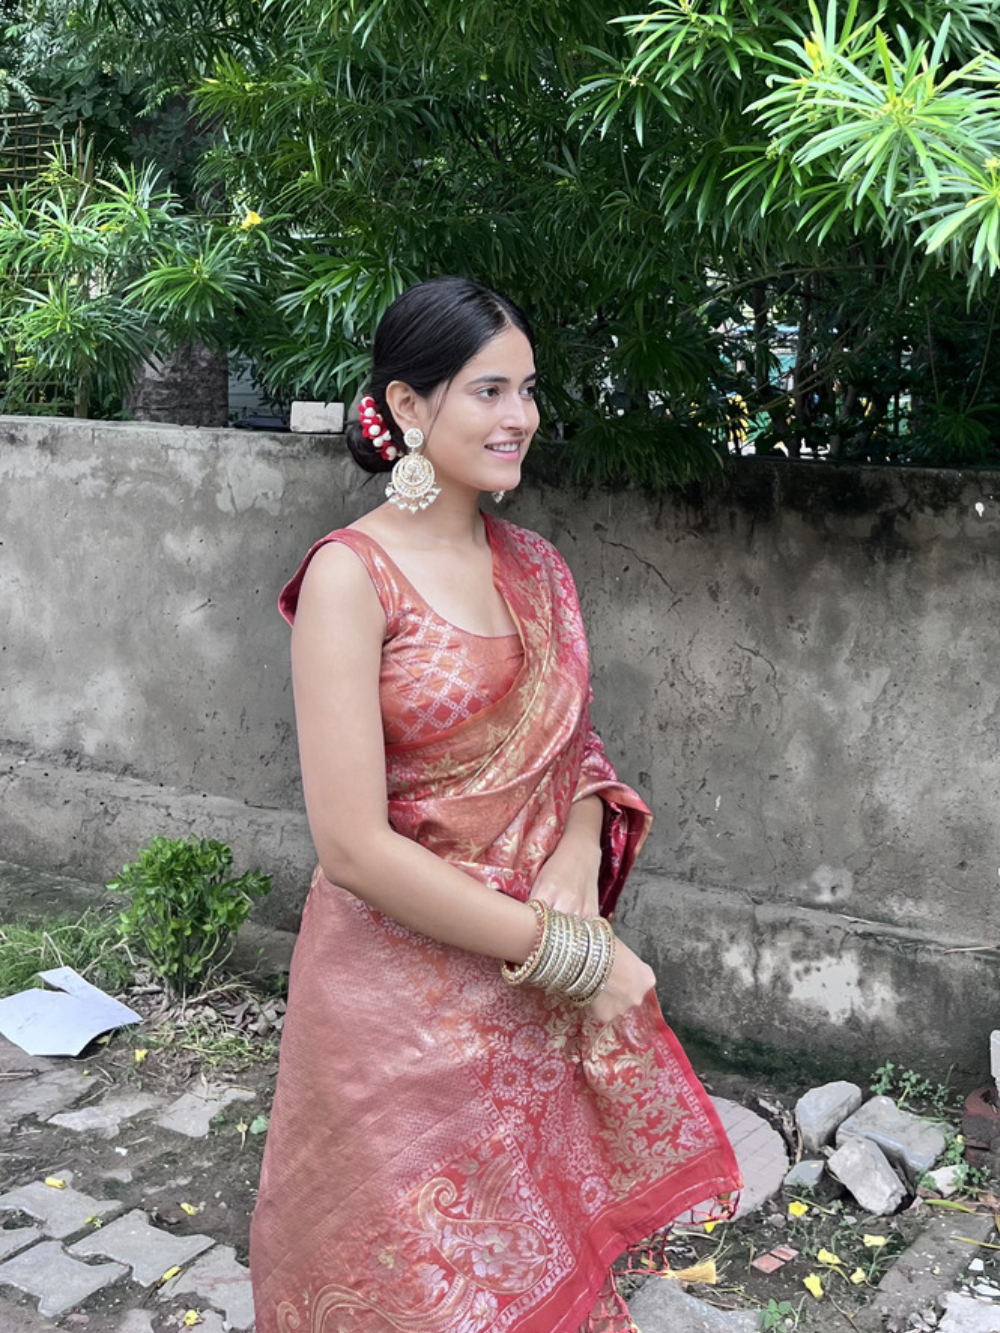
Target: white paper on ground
[[61, 1021]]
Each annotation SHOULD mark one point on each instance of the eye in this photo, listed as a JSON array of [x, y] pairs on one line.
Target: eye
[[489, 391], [529, 390]]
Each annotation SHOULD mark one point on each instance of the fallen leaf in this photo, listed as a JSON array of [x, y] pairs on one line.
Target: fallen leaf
[[875, 1242], [141, 1054], [190, 1209], [710, 1227], [54, 1183], [798, 1209], [858, 1276], [94, 1220], [828, 1257], [259, 1124], [814, 1285]]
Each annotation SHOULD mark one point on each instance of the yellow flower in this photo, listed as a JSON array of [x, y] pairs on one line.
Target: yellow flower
[[191, 1318], [797, 1208], [814, 1285], [858, 1276], [141, 1054], [875, 1242], [252, 219], [828, 1257], [54, 1183]]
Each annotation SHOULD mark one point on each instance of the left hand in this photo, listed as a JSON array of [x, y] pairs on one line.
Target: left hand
[[568, 879]]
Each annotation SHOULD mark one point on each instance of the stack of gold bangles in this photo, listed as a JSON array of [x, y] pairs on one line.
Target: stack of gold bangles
[[572, 955]]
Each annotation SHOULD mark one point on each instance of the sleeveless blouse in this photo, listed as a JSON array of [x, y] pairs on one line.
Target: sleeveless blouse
[[433, 674]]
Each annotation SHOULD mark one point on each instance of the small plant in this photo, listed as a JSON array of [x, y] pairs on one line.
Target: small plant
[[906, 1085], [968, 1180], [780, 1314], [185, 907]]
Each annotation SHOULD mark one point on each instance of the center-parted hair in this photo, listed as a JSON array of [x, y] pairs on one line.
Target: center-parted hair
[[424, 339]]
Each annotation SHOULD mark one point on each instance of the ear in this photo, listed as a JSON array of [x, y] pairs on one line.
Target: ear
[[405, 404]]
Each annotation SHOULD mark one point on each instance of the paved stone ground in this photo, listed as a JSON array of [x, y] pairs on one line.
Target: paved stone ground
[[62, 1241], [94, 1254]]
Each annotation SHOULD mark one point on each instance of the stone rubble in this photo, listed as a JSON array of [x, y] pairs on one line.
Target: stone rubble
[[822, 1110], [663, 1306], [909, 1142], [806, 1175], [962, 1314], [862, 1167]]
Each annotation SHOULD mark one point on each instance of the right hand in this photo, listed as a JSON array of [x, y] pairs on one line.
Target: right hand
[[630, 982]]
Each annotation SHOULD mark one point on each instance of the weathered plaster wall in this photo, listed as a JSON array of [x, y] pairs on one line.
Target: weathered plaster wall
[[796, 669]]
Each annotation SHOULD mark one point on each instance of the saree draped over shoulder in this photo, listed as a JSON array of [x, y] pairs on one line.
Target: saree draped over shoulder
[[446, 1154]]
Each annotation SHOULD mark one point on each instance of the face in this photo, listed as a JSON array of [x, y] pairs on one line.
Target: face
[[478, 428]]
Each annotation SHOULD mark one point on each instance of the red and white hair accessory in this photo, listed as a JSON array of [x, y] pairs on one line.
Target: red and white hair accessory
[[375, 430]]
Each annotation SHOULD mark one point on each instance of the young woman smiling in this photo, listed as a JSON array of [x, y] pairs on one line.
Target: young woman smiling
[[479, 1105]]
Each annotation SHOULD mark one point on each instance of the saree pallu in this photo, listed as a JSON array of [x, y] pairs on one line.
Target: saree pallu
[[446, 1154]]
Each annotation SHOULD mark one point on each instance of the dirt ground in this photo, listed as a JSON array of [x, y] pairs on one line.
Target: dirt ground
[[149, 1167]]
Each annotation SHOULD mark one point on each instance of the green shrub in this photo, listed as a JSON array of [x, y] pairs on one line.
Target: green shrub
[[185, 907]]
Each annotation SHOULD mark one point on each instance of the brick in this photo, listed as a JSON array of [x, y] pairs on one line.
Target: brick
[[18, 1239], [104, 1120], [217, 1280], [42, 1095], [193, 1112], [61, 1212], [147, 1250], [59, 1282]]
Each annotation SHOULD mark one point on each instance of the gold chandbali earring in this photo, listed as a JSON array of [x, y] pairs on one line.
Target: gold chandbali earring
[[413, 484]]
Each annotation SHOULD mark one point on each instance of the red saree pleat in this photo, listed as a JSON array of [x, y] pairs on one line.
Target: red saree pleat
[[447, 1155]]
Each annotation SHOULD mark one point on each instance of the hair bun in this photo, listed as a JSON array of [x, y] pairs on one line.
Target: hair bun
[[364, 451]]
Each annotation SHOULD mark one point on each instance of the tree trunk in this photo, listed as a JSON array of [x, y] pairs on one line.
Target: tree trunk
[[190, 387]]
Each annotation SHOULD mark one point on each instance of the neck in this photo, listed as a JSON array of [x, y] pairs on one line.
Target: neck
[[453, 519]]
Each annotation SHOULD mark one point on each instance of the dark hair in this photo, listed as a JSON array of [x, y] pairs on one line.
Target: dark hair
[[424, 339]]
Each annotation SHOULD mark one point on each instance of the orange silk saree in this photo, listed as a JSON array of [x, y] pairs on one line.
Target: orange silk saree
[[445, 1154]]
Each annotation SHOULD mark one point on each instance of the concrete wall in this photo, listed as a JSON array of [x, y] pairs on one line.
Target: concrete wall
[[796, 668]]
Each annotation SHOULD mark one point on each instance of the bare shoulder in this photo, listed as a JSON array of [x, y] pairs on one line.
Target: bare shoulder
[[338, 581]]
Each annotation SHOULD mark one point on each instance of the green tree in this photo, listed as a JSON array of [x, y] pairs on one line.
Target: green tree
[[730, 219]]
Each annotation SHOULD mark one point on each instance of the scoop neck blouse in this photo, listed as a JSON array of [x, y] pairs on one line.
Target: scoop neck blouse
[[434, 674]]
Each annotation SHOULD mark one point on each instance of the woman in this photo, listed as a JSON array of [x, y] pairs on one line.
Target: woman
[[479, 1106]]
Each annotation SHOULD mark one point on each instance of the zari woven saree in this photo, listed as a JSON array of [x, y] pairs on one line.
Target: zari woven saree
[[448, 1155]]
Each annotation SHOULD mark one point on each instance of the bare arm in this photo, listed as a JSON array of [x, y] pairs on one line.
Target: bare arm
[[336, 654]]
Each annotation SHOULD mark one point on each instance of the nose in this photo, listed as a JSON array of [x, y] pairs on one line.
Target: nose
[[520, 412]]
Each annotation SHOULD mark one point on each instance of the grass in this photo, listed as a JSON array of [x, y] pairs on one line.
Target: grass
[[92, 945]]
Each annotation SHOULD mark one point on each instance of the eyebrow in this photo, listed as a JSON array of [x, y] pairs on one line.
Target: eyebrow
[[501, 379]]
